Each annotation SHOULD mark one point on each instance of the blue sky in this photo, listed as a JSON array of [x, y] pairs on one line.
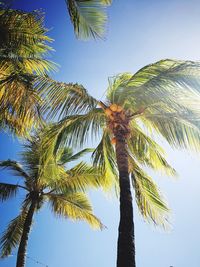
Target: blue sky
[[139, 33]]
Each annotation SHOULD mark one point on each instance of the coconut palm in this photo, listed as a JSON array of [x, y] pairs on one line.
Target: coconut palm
[[63, 188], [22, 50], [160, 101], [88, 17]]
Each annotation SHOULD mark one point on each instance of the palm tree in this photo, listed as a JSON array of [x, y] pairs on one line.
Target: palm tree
[[158, 102], [22, 49], [63, 188]]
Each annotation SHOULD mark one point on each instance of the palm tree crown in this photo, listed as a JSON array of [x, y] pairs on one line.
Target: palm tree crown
[[160, 101], [22, 49], [64, 188]]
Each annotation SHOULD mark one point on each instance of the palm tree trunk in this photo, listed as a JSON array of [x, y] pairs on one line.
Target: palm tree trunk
[[21, 254], [126, 239]]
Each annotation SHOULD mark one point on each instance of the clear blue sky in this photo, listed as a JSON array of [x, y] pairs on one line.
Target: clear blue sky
[[139, 32]]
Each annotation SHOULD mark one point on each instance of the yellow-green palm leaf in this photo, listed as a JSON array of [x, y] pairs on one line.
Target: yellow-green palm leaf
[[11, 236], [88, 17], [74, 206]]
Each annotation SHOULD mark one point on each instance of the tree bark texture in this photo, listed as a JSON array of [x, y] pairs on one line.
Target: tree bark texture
[[126, 239], [21, 254]]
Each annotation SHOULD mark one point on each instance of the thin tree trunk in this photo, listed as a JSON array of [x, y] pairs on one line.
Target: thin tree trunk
[[126, 239], [21, 254]]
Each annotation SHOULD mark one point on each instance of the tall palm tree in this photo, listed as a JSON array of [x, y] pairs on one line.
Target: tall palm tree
[[22, 50], [159, 101], [63, 188]]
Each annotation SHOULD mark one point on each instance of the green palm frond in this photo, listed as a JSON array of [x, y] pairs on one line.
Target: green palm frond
[[62, 155], [7, 191], [66, 155], [30, 158], [106, 2], [12, 235], [179, 131], [83, 176], [104, 158], [149, 200], [166, 81], [23, 105], [72, 131], [64, 99], [39, 66], [88, 17], [82, 126], [24, 30], [60, 134], [18, 170], [15, 167], [29, 65], [75, 206], [116, 88], [24, 65], [147, 151]]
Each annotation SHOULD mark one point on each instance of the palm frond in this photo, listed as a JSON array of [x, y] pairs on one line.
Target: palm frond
[[83, 176], [106, 2], [178, 130], [71, 131], [116, 88], [149, 200], [146, 151], [23, 32], [79, 178], [63, 154], [15, 167], [64, 99], [30, 65], [75, 206], [7, 191], [82, 127], [41, 171], [88, 17], [104, 158], [20, 103], [12, 235], [166, 81], [66, 155]]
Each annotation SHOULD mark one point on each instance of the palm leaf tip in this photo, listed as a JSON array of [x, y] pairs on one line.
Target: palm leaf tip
[[12, 235], [7, 191], [75, 206], [147, 151], [88, 17], [106, 2], [149, 200]]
